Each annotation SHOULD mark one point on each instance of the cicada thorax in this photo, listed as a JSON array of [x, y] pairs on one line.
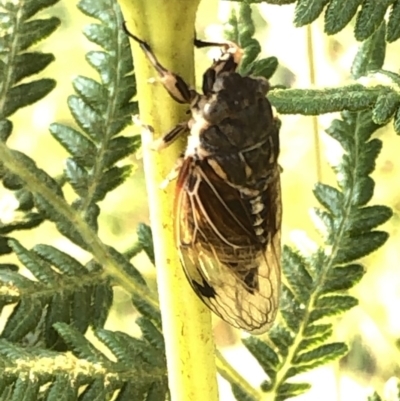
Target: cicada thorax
[[228, 206]]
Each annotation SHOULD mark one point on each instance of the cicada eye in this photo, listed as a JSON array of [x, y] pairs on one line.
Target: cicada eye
[[215, 110]]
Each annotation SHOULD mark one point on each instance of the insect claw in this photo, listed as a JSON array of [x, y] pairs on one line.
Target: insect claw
[[158, 144], [147, 130], [173, 174]]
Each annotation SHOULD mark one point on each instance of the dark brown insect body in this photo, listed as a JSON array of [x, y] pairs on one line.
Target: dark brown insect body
[[228, 206]]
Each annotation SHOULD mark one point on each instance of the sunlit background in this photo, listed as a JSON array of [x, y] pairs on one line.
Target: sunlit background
[[372, 328]]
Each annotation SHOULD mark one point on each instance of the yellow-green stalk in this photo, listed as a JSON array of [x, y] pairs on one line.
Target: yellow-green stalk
[[168, 26]]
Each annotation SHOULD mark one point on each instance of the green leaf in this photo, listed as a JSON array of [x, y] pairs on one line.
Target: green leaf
[[99, 34], [339, 302], [127, 266], [81, 148], [282, 338], [367, 218], [314, 330], [393, 26], [342, 278], [370, 18], [95, 391], [330, 198], [240, 394], [396, 123], [146, 240], [63, 261], [371, 53], [58, 311], [366, 243], [88, 119], [102, 302], [92, 93], [26, 389], [310, 343], [80, 346], [128, 349], [27, 64], [264, 354], [157, 392], [290, 309], [30, 8], [322, 354], [331, 306], [40, 269], [310, 102], [64, 386], [385, 108], [147, 310], [5, 130], [35, 30], [151, 333], [78, 177], [295, 270], [26, 94], [308, 11], [265, 67], [119, 148], [23, 319], [112, 178], [339, 13], [288, 390], [4, 247]]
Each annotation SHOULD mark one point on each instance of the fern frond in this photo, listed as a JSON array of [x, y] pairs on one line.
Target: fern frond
[[382, 97], [74, 294], [17, 63], [101, 110], [87, 374], [369, 15], [241, 29], [20, 32]]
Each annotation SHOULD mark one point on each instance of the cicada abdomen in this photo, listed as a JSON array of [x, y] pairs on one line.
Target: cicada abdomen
[[228, 198]]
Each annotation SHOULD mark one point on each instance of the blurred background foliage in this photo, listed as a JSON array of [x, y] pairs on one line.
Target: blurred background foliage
[[373, 327]]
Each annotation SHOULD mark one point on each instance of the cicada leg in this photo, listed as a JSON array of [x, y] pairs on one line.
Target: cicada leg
[[173, 174], [170, 137], [175, 85], [163, 142]]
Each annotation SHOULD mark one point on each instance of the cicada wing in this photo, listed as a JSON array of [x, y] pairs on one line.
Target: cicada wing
[[236, 275]]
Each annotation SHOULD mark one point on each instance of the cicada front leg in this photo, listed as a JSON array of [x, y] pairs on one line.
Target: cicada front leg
[[179, 90], [175, 85]]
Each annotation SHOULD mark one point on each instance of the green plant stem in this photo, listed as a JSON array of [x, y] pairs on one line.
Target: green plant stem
[[98, 249], [168, 26], [314, 119]]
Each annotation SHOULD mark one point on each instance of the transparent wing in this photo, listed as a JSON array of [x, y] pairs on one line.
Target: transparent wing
[[235, 273]]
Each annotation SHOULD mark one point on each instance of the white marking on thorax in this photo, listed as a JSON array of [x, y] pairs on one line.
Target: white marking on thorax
[[197, 125]]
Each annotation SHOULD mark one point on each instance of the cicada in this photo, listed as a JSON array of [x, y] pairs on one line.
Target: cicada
[[228, 198]]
